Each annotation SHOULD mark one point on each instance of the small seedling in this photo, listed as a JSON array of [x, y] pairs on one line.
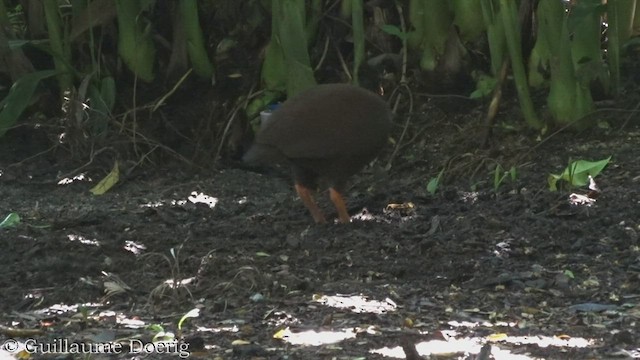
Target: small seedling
[[84, 313], [160, 333], [569, 274], [484, 86], [500, 175], [578, 172], [13, 219], [394, 30], [434, 183], [191, 314]]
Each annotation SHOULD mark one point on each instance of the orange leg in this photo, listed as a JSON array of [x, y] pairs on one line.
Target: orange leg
[[307, 199], [338, 201]]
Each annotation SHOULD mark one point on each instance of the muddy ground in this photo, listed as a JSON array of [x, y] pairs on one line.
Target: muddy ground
[[514, 266]]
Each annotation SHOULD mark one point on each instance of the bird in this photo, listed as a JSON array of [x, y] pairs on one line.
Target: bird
[[326, 134]]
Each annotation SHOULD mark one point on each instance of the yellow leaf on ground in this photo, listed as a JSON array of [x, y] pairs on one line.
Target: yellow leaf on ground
[[108, 181]]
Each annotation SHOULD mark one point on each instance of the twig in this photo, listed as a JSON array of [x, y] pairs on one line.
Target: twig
[[495, 102], [626, 121], [239, 106], [406, 124], [342, 62], [32, 157], [324, 54], [403, 28]]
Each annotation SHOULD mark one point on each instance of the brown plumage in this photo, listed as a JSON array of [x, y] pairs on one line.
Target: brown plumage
[[326, 133]]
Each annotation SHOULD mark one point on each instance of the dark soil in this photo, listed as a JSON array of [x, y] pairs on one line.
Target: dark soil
[[515, 267]]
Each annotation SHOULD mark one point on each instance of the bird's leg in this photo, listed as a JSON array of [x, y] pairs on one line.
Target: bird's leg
[[338, 201], [307, 199]]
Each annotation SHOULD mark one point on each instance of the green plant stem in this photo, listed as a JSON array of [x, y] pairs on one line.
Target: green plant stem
[[620, 15], [495, 34], [135, 46], [569, 97], [345, 8], [202, 66], [289, 33], [313, 20], [465, 17], [431, 21], [4, 17], [61, 52], [509, 16]]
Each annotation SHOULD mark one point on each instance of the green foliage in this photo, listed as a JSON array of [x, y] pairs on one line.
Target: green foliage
[[193, 313], [584, 24], [511, 25], [101, 94], [434, 183], [313, 20], [503, 33], [431, 21], [578, 172], [289, 32], [538, 65], [19, 98], [568, 46], [395, 31], [345, 8], [4, 16], [633, 43], [484, 86], [495, 33], [13, 219], [135, 45], [620, 17], [261, 103], [287, 66], [59, 43], [273, 68], [84, 313], [500, 175], [569, 97], [160, 334], [466, 19], [202, 66]]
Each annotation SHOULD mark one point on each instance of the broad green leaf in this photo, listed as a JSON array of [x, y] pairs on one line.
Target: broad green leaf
[[11, 220], [19, 98], [434, 183], [432, 186], [135, 44], [578, 172], [188, 11], [288, 28]]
